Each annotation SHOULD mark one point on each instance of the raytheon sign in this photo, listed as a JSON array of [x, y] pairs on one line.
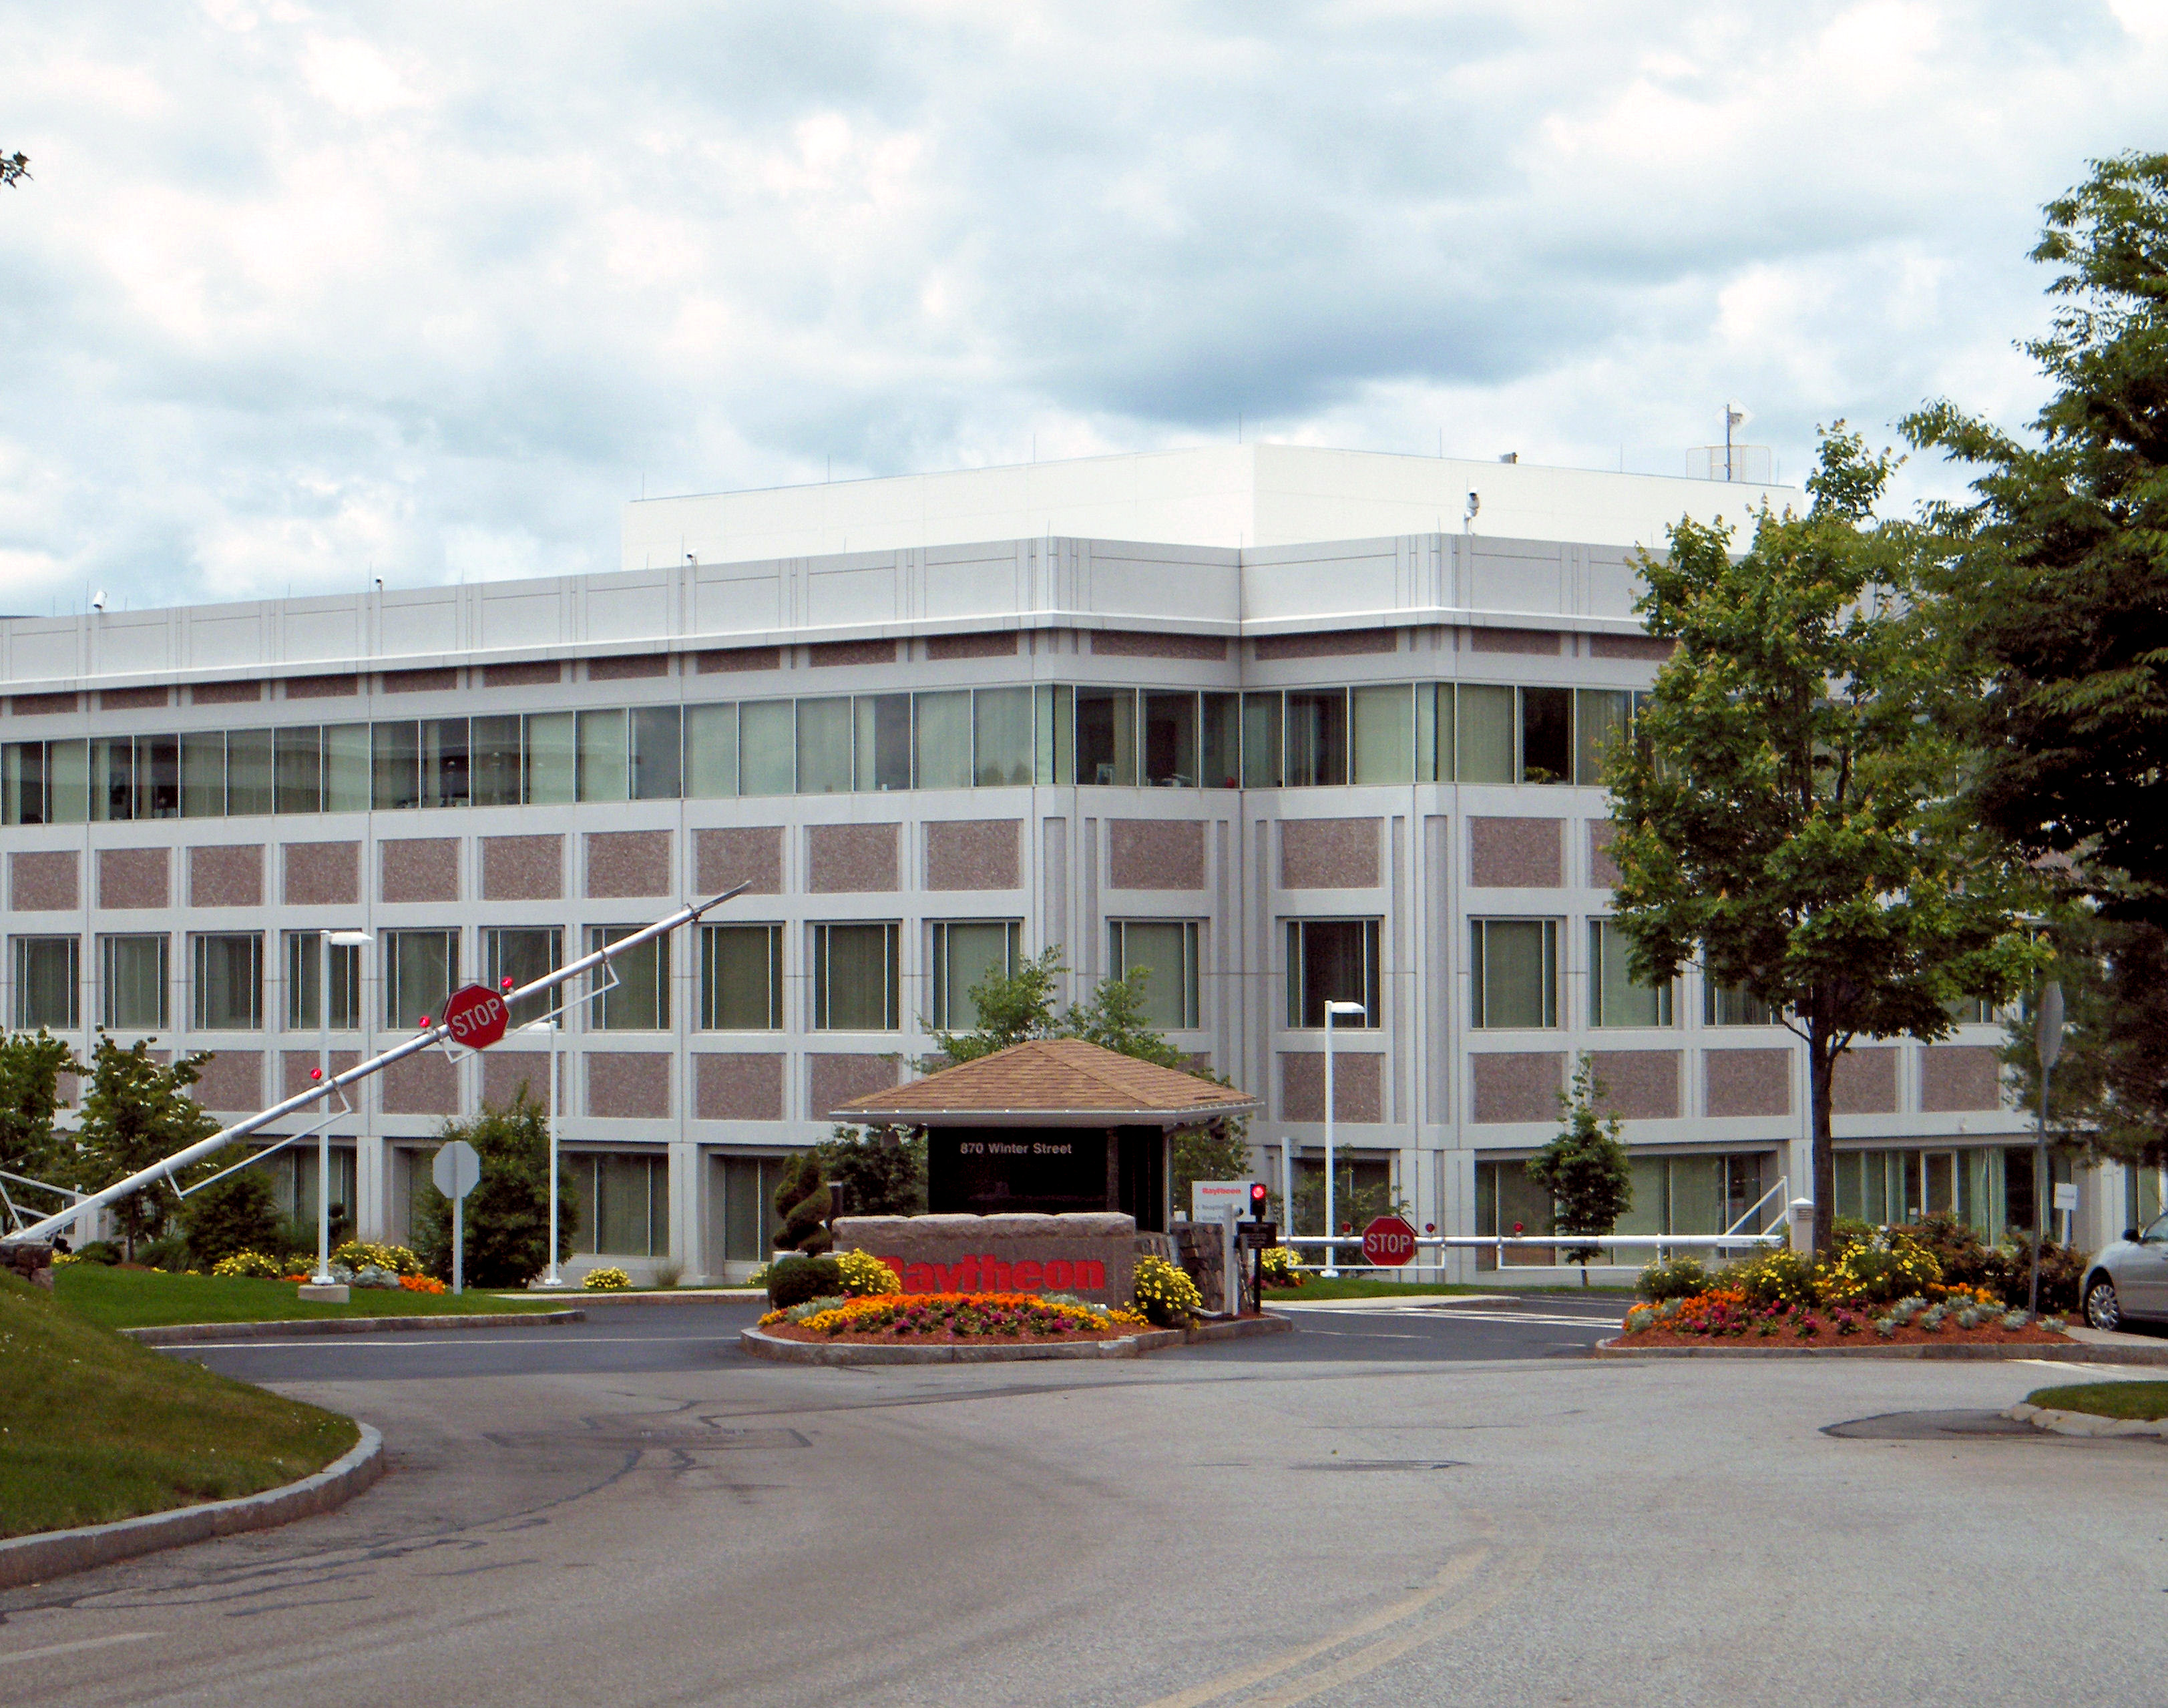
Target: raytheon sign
[[1092, 1254]]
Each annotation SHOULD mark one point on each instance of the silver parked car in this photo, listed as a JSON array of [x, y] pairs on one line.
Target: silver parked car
[[2127, 1281]]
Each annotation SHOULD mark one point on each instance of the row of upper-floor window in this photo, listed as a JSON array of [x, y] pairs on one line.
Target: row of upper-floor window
[[954, 738], [853, 971]]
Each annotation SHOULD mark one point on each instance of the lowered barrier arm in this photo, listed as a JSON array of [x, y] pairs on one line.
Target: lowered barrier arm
[[439, 1033]]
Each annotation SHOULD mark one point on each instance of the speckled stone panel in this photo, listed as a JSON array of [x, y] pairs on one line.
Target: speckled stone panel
[[1528, 642], [322, 687], [730, 660], [1959, 1076], [832, 1078], [738, 1087], [1517, 1085], [418, 681], [1340, 643], [1358, 1086], [422, 1084], [1603, 870], [1516, 853], [535, 673], [1154, 853], [628, 863], [851, 858], [231, 876], [1639, 1085], [1645, 647], [225, 694], [1122, 643], [941, 649], [43, 705], [1864, 1082], [1747, 1082], [134, 877], [628, 1086], [45, 879], [629, 667], [503, 1072], [523, 868], [232, 1082], [134, 699], [1329, 853], [823, 655], [421, 869], [322, 874], [296, 1065], [722, 857], [973, 854]]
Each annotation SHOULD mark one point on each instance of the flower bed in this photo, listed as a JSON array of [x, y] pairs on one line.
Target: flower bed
[[1728, 1314], [936, 1319]]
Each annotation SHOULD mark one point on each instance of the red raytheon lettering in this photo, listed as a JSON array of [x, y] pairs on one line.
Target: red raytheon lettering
[[984, 1273]]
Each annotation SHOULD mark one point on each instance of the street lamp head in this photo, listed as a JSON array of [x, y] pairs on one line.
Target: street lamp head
[[347, 940], [1335, 1007]]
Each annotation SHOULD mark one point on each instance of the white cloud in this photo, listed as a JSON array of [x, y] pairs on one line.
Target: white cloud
[[305, 294]]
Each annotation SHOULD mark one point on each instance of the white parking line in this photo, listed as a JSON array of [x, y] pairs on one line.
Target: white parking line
[[76, 1647]]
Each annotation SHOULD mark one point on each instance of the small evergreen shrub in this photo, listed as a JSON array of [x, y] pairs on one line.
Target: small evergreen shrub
[[238, 1214], [792, 1280], [98, 1251]]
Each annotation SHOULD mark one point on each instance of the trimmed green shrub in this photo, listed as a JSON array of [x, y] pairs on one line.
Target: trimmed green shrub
[[237, 1215], [801, 1200], [98, 1251], [1776, 1277], [792, 1280], [1673, 1278]]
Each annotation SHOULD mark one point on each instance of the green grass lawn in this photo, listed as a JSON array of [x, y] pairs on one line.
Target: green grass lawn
[[1365, 1287], [118, 1298], [2146, 1400], [94, 1427]]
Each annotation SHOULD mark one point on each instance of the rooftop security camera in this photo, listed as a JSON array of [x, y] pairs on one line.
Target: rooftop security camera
[[1474, 504], [97, 600]]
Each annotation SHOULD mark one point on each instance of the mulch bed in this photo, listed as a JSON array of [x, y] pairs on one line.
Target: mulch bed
[[2029, 1335], [945, 1337]]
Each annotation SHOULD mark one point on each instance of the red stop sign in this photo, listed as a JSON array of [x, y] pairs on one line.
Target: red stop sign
[[476, 1015], [1388, 1240]]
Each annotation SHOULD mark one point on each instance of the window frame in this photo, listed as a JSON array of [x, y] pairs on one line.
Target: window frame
[[200, 944], [1296, 940], [711, 937], [1480, 979], [1192, 997], [941, 980], [108, 1018], [18, 958], [821, 1002]]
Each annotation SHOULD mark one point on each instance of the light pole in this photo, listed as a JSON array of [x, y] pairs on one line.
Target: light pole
[[1331, 1251], [2047, 1036], [326, 942], [548, 1023]]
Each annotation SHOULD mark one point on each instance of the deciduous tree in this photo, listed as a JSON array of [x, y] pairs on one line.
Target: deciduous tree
[[1584, 1168], [137, 1111]]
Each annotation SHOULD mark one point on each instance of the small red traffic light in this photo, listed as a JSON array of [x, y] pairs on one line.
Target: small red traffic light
[[316, 1073], [425, 1022], [1258, 1201], [508, 982]]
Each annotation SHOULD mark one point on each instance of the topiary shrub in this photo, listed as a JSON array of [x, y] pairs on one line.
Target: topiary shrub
[[1673, 1278], [801, 1200], [792, 1280]]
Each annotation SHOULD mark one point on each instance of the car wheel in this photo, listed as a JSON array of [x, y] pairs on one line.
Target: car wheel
[[2102, 1309]]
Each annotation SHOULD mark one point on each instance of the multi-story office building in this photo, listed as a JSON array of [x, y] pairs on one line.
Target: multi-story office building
[[1278, 725]]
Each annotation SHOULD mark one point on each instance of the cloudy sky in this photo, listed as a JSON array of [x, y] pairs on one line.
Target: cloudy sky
[[301, 295]]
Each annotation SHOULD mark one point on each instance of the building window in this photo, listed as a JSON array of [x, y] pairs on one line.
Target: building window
[[857, 985], [305, 987], [228, 982], [824, 746], [1988, 1187], [203, 773], [495, 772], [881, 746], [624, 1205], [420, 968], [1261, 740], [711, 751], [1001, 741], [742, 978], [602, 741], [1732, 1005], [942, 740], [1970, 1011], [1171, 759], [1513, 973], [1384, 740], [1107, 735], [1164, 952], [967, 953], [48, 977], [1599, 714], [552, 766], [1614, 999], [768, 746], [1332, 960], [134, 983], [749, 1221], [657, 756], [522, 954], [639, 1001], [1314, 736]]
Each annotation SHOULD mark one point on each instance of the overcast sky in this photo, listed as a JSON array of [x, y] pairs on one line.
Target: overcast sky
[[301, 295]]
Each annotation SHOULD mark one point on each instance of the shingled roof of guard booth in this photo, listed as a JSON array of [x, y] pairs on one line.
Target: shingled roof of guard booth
[[1049, 1083]]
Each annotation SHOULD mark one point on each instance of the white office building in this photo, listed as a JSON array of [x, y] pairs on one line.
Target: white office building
[[1281, 724]]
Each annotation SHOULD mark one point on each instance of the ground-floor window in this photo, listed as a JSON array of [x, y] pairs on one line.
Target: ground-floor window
[[623, 1203], [1990, 1187], [292, 1173], [2143, 1194], [1362, 1191], [1687, 1194], [745, 1206]]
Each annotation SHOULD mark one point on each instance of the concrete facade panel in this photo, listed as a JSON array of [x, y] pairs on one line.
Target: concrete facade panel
[[1154, 853], [228, 876], [628, 863], [523, 868], [232, 1082], [754, 851], [1639, 1085], [1117, 643], [1330, 853], [628, 1085], [423, 1084], [504, 1071], [738, 1086], [852, 858], [1864, 1082], [420, 868], [134, 877], [44, 880], [1954, 1076], [296, 1065], [1747, 1083], [1358, 1086], [973, 854], [322, 873], [833, 1077], [1516, 853], [1602, 870], [1516, 1085], [1528, 642]]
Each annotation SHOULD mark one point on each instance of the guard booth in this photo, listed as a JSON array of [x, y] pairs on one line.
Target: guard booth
[[1055, 1126]]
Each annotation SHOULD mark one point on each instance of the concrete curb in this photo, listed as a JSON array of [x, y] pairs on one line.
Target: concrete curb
[[2073, 1353], [770, 1346], [51, 1554], [2059, 1422], [190, 1334]]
